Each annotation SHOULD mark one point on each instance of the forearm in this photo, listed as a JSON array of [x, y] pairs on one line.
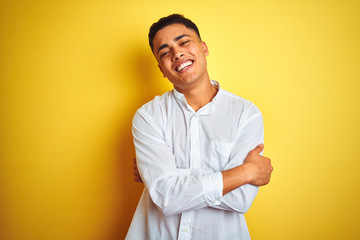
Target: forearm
[[255, 170], [238, 200], [234, 178], [185, 190], [240, 183]]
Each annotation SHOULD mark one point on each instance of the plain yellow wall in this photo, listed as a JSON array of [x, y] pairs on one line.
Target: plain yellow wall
[[74, 72]]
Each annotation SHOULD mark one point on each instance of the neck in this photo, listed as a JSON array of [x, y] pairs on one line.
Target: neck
[[200, 96]]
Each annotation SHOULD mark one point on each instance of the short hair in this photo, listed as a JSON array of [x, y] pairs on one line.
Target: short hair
[[166, 21]]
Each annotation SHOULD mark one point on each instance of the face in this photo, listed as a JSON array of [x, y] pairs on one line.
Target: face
[[181, 56]]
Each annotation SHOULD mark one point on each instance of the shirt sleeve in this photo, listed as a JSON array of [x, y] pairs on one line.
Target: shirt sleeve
[[172, 189], [251, 134]]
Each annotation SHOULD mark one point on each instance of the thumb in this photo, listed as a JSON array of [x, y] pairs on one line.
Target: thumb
[[258, 148]]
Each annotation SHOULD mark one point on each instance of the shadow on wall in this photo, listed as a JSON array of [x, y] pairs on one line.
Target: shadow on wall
[[148, 83]]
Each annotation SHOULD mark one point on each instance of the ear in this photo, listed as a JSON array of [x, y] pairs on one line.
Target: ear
[[161, 70], [205, 48]]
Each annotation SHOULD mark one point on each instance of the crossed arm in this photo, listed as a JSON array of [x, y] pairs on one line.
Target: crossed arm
[[256, 170], [165, 182]]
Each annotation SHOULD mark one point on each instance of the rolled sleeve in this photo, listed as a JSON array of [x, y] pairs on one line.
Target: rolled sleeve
[[213, 187]]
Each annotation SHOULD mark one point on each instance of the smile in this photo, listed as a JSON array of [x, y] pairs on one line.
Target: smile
[[184, 66]]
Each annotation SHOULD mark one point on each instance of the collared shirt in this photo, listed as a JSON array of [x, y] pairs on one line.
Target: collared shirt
[[180, 155]]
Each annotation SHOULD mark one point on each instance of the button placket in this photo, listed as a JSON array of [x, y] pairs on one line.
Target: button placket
[[186, 222], [195, 142], [187, 218]]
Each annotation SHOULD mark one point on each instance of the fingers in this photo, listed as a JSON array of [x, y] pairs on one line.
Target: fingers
[[136, 174], [134, 166], [260, 166], [137, 177], [269, 171], [258, 149]]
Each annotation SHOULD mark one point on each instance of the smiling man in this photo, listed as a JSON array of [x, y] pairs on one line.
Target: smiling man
[[198, 147]]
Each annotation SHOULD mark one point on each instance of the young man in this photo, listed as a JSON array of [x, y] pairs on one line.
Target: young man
[[197, 147]]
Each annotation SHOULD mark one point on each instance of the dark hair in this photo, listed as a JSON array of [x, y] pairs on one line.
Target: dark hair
[[166, 21]]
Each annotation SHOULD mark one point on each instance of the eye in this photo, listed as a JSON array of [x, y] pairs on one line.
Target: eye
[[164, 54], [183, 43]]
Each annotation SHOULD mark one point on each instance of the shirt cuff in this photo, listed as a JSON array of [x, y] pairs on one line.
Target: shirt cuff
[[213, 187]]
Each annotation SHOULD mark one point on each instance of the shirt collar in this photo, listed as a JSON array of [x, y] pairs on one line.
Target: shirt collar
[[205, 110]]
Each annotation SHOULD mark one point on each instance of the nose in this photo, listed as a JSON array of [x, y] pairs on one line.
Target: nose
[[178, 53]]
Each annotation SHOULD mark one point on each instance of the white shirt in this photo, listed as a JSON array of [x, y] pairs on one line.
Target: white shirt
[[180, 155]]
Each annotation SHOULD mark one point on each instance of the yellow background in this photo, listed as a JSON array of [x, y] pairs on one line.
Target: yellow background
[[74, 72]]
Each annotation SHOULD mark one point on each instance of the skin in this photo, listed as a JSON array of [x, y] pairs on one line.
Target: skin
[[175, 45]]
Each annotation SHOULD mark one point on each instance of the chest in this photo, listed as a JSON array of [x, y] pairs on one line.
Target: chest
[[201, 141]]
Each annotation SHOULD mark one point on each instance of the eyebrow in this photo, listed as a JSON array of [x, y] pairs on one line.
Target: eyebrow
[[175, 39]]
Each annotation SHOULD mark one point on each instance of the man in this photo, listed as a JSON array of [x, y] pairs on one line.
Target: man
[[194, 147]]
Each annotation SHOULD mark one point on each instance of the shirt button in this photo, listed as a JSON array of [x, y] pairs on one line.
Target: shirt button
[[185, 229]]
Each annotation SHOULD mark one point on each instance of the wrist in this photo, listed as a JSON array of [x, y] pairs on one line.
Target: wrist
[[245, 173]]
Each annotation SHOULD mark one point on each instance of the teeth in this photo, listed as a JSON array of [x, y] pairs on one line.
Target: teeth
[[184, 65]]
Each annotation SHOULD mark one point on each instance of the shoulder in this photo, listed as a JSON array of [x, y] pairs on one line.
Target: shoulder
[[239, 110], [237, 103], [155, 105], [153, 111]]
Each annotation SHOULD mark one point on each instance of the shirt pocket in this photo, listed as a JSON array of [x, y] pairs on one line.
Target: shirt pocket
[[220, 154]]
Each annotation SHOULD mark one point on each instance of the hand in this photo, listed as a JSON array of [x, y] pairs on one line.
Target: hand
[[136, 174], [258, 168]]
